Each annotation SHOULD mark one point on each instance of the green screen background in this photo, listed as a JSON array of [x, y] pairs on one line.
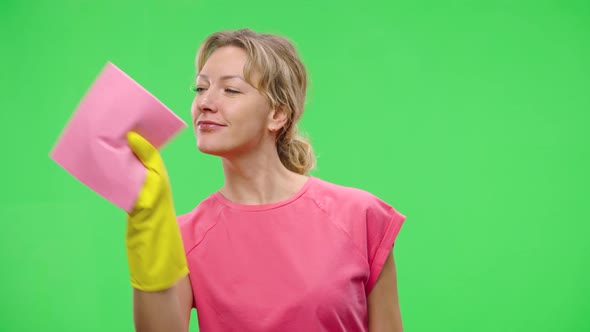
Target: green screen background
[[471, 118]]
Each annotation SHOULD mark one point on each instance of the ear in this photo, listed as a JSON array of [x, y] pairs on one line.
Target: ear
[[277, 119]]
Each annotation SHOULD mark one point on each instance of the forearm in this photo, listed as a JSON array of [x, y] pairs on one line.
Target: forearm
[[158, 311], [155, 251]]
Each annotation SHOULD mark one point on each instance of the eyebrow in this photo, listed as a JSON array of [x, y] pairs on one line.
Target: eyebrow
[[224, 77]]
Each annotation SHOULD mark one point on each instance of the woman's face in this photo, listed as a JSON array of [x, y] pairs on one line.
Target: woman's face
[[230, 116]]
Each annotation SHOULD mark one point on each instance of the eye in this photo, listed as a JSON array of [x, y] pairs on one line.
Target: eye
[[197, 89], [232, 91]]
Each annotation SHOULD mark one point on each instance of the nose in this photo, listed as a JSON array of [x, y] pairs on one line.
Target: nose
[[204, 102]]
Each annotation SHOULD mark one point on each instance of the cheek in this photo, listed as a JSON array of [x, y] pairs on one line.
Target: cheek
[[252, 125]]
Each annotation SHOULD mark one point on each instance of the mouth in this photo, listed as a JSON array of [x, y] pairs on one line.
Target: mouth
[[209, 125]]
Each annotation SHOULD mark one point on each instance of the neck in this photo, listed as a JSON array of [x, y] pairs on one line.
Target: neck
[[259, 177]]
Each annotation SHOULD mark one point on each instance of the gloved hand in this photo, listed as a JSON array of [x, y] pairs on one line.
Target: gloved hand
[[155, 251]]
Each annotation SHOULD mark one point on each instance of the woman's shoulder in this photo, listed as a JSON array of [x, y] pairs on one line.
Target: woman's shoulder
[[340, 193], [193, 232], [206, 205], [369, 221]]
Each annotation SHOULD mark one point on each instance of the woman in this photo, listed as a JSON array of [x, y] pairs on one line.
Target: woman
[[274, 249]]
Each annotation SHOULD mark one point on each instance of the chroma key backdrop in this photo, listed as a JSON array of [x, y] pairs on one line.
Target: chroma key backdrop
[[472, 118]]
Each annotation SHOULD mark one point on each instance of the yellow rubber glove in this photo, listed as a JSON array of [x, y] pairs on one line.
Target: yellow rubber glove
[[155, 251]]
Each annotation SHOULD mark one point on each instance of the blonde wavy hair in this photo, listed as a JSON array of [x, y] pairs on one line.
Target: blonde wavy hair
[[283, 80]]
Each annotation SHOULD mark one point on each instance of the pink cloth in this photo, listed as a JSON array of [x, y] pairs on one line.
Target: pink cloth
[[93, 146], [304, 264]]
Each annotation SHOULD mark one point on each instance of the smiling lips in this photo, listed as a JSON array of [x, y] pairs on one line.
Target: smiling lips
[[208, 125]]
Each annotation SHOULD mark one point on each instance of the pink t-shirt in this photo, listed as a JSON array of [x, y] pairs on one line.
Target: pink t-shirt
[[303, 264]]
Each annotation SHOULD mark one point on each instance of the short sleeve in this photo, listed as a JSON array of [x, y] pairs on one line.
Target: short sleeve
[[193, 232], [383, 225]]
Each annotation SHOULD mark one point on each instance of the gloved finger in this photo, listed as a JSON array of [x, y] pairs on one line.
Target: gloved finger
[[144, 150]]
